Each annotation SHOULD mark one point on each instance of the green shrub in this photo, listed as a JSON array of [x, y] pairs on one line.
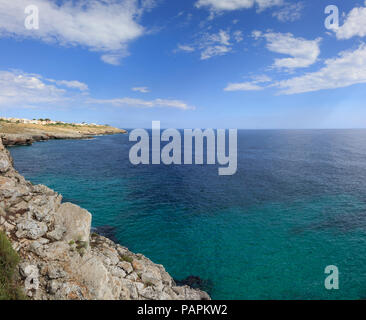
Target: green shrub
[[126, 258], [9, 260], [81, 244]]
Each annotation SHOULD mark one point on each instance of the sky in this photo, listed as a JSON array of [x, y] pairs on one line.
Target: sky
[[245, 64]]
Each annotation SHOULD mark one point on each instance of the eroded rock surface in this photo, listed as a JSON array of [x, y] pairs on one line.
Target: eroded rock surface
[[61, 259]]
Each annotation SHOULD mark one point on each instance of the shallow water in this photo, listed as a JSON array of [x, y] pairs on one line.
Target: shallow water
[[296, 205]]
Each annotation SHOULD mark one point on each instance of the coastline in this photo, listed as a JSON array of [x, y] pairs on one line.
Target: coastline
[[61, 258], [19, 134]]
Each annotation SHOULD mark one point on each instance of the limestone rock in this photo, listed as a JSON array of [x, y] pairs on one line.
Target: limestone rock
[[57, 233], [28, 228], [77, 222], [17, 139], [126, 266], [4, 163], [96, 276]]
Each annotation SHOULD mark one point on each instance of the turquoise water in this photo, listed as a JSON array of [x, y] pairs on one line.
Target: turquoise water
[[296, 205]]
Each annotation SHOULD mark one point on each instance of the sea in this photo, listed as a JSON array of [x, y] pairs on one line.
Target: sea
[[296, 205]]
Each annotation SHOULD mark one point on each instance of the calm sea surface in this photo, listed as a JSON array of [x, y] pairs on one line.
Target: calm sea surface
[[296, 205]]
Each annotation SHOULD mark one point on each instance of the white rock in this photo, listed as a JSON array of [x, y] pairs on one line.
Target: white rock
[[77, 222], [31, 229]]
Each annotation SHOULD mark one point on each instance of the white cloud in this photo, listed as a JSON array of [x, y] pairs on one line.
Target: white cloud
[[249, 85], [303, 52], [113, 58], [347, 69], [23, 89], [354, 25], [290, 12], [222, 37], [261, 79], [105, 26], [256, 34], [264, 4], [238, 36], [141, 89], [122, 102], [148, 4], [243, 86], [212, 51], [71, 84], [230, 5], [213, 44], [186, 48]]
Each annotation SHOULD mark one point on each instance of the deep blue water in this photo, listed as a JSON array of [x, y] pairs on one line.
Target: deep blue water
[[296, 205]]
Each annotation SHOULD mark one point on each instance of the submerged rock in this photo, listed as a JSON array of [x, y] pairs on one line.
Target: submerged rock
[[196, 282], [106, 231]]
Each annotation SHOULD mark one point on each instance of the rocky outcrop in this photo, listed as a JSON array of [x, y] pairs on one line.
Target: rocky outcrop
[[26, 139], [17, 139], [61, 259], [27, 135]]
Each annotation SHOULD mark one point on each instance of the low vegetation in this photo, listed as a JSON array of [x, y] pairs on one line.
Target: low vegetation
[[126, 258], [9, 260]]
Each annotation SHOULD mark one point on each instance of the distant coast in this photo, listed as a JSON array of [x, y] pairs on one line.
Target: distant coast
[[15, 132]]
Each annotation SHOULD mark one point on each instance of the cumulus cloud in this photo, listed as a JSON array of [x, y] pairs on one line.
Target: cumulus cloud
[[141, 89], [347, 69], [303, 52], [24, 89], [354, 25], [105, 26], [131, 102], [290, 12], [230, 5]]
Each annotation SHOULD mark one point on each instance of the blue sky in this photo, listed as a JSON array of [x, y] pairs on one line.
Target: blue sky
[[251, 64]]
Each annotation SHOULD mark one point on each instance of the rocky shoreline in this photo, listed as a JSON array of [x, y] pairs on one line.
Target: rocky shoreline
[[15, 139], [61, 259]]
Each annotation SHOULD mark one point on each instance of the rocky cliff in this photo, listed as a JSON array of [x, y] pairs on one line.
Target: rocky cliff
[[61, 259], [25, 134], [26, 139]]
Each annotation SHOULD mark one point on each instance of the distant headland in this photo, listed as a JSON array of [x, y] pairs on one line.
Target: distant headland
[[18, 131]]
